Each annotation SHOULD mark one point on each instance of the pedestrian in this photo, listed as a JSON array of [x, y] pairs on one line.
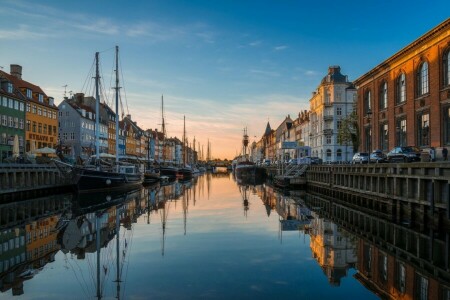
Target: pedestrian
[[432, 154], [444, 153]]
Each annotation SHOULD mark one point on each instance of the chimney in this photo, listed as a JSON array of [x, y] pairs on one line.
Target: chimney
[[334, 69], [16, 71], [129, 116], [79, 98]]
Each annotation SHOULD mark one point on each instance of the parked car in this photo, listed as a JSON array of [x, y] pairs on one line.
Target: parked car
[[360, 158], [316, 160], [377, 156], [404, 154]]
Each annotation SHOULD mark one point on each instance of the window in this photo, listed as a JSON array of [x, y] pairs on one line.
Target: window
[[40, 128], [4, 120], [339, 111], [72, 136], [11, 103], [421, 287], [28, 107], [400, 88], [384, 137], [41, 98], [422, 79], [339, 154], [9, 87], [54, 115], [10, 121], [21, 106], [28, 125], [401, 132], [5, 102], [446, 67], [423, 129], [21, 123], [328, 155], [39, 111], [367, 102], [383, 95], [45, 128], [29, 94], [16, 122], [16, 104], [383, 267], [338, 124], [34, 126], [34, 109], [446, 125], [328, 140], [44, 112]]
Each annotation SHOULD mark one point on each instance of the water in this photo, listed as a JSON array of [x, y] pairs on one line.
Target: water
[[207, 238]]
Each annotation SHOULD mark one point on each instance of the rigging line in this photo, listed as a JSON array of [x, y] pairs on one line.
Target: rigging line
[[106, 50], [89, 75], [123, 84], [84, 288], [128, 264], [102, 85]]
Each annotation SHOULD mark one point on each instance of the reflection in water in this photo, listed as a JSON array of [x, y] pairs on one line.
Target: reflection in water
[[91, 238]]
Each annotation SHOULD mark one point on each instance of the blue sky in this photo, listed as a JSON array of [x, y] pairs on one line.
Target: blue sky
[[223, 64]]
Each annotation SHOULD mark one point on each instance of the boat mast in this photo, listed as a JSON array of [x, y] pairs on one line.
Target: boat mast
[[117, 105], [118, 281], [97, 111], [184, 141], [163, 128], [97, 242]]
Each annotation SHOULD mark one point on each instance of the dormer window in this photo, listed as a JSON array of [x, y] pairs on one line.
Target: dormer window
[[41, 98], [29, 93], [9, 87]]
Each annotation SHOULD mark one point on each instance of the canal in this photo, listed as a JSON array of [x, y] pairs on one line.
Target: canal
[[206, 238]]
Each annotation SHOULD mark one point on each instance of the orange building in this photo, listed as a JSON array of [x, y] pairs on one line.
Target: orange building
[[405, 100], [41, 113]]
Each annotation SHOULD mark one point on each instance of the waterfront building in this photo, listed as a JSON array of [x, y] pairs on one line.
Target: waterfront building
[[405, 100], [41, 113], [12, 117], [122, 139], [331, 102], [302, 131], [268, 142], [135, 138], [107, 113], [77, 128], [284, 133]]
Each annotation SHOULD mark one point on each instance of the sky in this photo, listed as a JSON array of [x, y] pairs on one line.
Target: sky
[[225, 65]]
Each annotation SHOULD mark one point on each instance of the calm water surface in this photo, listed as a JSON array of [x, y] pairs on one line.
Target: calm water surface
[[207, 238]]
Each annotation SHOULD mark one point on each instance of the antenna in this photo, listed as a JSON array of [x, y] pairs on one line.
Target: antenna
[[65, 89]]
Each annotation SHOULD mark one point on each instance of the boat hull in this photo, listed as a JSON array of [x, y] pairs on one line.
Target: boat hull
[[250, 174], [170, 172], [185, 173], [87, 180]]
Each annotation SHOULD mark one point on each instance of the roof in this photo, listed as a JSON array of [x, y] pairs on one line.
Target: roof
[[334, 76]]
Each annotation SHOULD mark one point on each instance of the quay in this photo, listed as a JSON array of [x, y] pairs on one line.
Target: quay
[[415, 194], [19, 181]]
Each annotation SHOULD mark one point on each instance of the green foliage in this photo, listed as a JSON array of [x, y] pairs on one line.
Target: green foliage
[[348, 133]]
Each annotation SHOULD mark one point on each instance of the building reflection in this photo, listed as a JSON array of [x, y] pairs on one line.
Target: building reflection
[[393, 260], [28, 238]]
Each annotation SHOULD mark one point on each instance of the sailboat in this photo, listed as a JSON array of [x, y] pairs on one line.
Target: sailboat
[[185, 172], [166, 170], [97, 177], [247, 172]]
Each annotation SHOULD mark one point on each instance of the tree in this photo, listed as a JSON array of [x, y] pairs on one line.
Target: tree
[[348, 132]]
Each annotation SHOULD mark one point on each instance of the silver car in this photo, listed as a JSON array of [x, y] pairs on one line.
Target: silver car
[[360, 158]]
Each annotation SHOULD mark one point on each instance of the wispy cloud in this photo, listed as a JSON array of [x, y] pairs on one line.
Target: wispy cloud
[[23, 32], [280, 48], [265, 73], [255, 43], [102, 26], [311, 73]]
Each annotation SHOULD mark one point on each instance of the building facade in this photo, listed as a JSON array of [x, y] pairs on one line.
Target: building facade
[[405, 100], [330, 103]]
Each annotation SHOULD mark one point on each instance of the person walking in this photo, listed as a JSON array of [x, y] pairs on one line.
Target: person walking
[[432, 154], [444, 153]]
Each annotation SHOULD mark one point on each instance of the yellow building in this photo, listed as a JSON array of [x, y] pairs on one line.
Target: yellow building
[[41, 113]]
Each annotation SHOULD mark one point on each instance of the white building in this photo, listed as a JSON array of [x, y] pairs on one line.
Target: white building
[[330, 103]]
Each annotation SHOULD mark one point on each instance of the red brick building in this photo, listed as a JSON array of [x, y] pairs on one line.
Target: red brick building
[[405, 100]]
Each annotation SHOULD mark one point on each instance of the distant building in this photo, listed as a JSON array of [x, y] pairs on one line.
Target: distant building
[[331, 102], [405, 100]]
